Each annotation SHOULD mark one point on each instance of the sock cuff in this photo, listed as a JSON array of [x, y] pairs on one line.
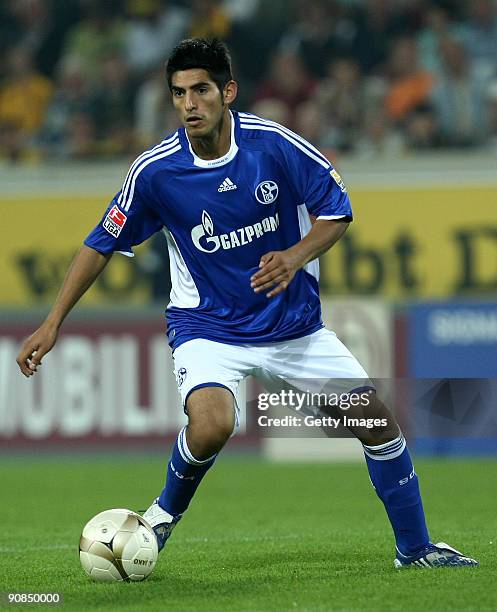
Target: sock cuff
[[388, 450], [185, 452]]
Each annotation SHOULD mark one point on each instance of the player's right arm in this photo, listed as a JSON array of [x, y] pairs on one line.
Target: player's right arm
[[127, 222], [83, 271]]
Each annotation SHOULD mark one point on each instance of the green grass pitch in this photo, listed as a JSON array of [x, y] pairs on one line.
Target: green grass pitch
[[258, 536]]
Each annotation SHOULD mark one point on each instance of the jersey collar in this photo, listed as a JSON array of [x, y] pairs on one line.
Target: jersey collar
[[220, 161]]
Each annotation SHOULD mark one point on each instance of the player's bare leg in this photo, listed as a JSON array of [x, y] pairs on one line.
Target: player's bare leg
[[374, 409], [211, 420]]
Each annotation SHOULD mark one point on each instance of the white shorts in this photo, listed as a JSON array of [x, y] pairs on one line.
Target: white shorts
[[314, 360]]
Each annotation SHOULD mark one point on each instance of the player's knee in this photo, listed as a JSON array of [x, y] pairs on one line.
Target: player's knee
[[211, 420], [206, 438], [380, 424]]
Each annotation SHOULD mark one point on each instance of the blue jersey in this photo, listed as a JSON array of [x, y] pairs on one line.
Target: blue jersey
[[219, 217]]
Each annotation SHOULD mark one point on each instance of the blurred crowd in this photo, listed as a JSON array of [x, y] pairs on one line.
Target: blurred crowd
[[81, 79]]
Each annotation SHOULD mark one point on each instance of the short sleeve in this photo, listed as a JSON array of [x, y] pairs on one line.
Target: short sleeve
[[126, 223], [318, 184]]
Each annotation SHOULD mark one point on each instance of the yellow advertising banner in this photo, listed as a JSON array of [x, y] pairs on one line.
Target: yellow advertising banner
[[40, 236], [429, 243]]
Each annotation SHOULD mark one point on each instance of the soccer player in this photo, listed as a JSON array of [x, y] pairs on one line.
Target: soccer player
[[234, 195]]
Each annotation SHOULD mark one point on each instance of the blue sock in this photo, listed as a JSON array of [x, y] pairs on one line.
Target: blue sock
[[184, 474], [393, 476]]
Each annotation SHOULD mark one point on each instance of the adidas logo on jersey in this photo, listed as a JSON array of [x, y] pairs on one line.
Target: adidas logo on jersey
[[226, 185]]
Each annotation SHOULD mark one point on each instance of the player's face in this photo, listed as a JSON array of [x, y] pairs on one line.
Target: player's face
[[199, 102]]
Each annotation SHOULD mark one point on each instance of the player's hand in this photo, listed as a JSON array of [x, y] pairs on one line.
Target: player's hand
[[35, 347], [277, 269]]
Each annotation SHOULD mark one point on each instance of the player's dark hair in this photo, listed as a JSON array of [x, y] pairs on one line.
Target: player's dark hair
[[211, 55]]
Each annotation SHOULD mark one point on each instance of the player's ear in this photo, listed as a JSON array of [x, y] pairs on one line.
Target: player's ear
[[229, 92]]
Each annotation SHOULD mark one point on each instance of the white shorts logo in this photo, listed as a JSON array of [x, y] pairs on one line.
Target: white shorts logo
[[181, 376], [266, 192]]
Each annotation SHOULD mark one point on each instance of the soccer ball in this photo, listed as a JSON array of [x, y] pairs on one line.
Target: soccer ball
[[118, 545]]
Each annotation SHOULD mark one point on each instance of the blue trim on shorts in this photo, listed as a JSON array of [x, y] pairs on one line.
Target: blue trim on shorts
[[365, 388], [201, 386]]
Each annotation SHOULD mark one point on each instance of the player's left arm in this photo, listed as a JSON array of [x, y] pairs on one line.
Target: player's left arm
[[277, 268]]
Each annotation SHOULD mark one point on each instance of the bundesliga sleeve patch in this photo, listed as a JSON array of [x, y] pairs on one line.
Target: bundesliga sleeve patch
[[338, 180], [114, 221]]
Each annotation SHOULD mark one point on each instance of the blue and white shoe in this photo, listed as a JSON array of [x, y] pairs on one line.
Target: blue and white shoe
[[434, 555], [161, 522]]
